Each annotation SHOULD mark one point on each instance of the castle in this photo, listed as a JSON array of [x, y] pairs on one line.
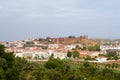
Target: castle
[[72, 40]]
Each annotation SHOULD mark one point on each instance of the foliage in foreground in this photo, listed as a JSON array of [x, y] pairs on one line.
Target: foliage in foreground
[[12, 68]]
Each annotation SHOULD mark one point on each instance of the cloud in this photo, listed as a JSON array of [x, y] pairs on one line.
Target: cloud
[[59, 17], [1, 7]]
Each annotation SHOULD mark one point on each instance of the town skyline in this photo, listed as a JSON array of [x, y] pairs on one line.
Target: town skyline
[[45, 37]]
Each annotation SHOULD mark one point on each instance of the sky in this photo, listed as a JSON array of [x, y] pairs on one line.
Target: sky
[[23, 19]]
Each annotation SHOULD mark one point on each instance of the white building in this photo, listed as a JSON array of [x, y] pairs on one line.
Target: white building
[[101, 59]]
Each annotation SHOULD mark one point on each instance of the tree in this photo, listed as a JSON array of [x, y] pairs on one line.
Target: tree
[[7, 56], [84, 48], [112, 55], [71, 36], [3, 64], [52, 64], [10, 58], [39, 73], [56, 76], [86, 64], [116, 57], [69, 54], [51, 57], [2, 74], [94, 48], [77, 47], [89, 58], [97, 47], [2, 50], [64, 68], [102, 54], [12, 74], [7, 61], [76, 54], [75, 77], [107, 72], [20, 60]]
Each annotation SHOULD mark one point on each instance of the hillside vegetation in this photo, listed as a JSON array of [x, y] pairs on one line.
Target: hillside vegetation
[[12, 68]]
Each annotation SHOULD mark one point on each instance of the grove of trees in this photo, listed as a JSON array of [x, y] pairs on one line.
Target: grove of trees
[[74, 54], [94, 48]]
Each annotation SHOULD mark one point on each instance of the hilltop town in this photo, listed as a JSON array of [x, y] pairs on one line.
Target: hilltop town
[[65, 47]]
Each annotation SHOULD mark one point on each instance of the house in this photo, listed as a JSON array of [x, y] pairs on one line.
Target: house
[[101, 59]]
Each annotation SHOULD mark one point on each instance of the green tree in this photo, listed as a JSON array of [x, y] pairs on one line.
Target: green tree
[[86, 64], [91, 48], [51, 57], [63, 68], [52, 64], [75, 77], [108, 74], [94, 48], [2, 74], [84, 48], [2, 50], [77, 47], [12, 74], [71, 36], [39, 73], [3, 64], [69, 54], [9, 58], [111, 54], [115, 57], [97, 47], [7, 61], [56, 76], [76, 54], [89, 58]]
